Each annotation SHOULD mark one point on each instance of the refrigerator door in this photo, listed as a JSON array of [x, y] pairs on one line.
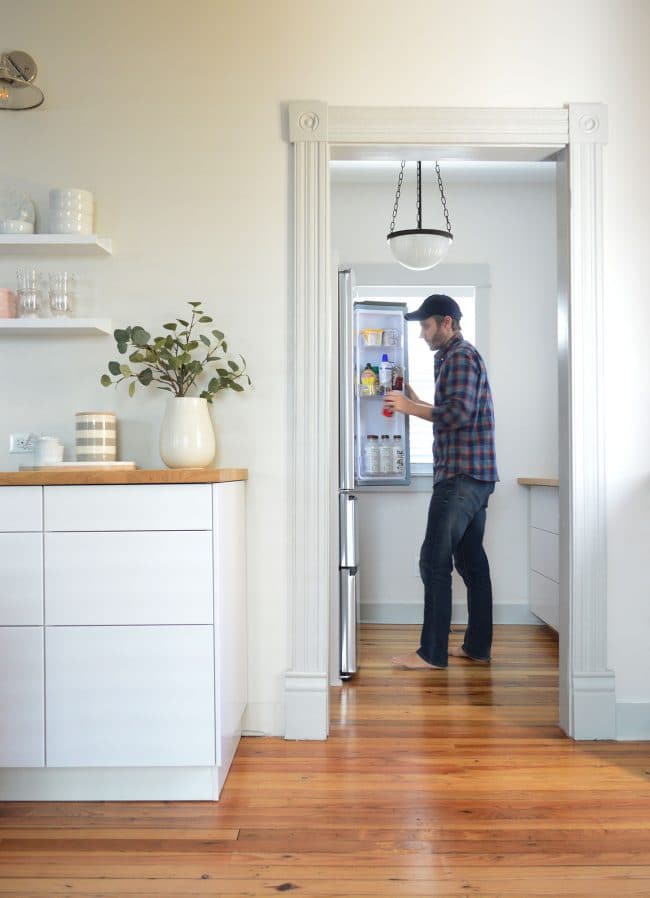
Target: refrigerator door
[[380, 342], [346, 382], [349, 591], [348, 541]]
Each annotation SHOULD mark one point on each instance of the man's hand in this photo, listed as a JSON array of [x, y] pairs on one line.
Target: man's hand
[[397, 401]]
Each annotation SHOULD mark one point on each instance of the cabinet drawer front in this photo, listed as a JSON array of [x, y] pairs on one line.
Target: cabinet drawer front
[[545, 599], [545, 508], [129, 507], [130, 696], [544, 553], [21, 697], [21, 579], [128, 578], [21, 508]]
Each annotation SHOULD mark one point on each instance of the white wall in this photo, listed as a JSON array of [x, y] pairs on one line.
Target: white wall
[[510, 226], [192, 179]]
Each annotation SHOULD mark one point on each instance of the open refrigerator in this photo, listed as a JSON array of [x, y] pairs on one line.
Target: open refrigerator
[[373, 447]]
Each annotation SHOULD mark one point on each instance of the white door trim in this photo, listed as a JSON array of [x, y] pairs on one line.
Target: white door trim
[[578, 133]]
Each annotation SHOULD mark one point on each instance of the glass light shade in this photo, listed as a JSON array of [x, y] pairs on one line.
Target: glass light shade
[[419, 248]]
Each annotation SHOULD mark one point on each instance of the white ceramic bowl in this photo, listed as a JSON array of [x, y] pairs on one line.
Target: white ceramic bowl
[[71, 227], [70, 195], [15, 226], [66, 215], [88, 208]]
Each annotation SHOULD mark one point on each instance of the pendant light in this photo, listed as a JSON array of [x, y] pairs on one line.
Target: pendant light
[[17, 72], [419, 248]]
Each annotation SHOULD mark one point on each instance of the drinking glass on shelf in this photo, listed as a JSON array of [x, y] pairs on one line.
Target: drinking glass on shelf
[[61, 290], [29, 292]]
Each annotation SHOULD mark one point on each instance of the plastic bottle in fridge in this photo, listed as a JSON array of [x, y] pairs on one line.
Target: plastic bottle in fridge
[[385, 375], [385, 454], [398, 454], [371, 454]]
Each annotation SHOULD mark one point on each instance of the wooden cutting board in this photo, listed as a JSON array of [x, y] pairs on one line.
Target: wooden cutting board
[[83, 466]]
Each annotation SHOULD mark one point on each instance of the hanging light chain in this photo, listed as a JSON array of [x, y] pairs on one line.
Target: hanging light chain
[[442, 198], [397, 196]]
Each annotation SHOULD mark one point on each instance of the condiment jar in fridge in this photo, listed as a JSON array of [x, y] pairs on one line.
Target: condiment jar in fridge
[[368, 381]]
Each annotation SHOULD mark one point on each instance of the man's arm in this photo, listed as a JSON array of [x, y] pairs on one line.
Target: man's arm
[[396, 400]]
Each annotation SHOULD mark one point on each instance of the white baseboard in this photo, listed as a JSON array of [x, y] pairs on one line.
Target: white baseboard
[[411, 613], [633, 721], [306, 705]]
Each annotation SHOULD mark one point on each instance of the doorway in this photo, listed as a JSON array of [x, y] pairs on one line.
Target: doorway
[[573, 137]]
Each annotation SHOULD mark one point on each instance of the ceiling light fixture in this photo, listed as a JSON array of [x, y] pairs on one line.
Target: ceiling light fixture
[[419, 248], [17, 72]]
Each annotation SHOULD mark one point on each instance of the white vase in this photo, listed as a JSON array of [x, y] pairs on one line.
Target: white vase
[[186, 433]]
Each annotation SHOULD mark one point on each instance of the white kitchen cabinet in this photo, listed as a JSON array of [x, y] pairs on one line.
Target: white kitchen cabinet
[[21, 579], [130, 696], [137, 659], [177, 506], [21, 697], [544, 549], [21, 509], [141, 577]]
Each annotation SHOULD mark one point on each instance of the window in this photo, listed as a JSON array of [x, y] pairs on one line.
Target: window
[[420, 358]]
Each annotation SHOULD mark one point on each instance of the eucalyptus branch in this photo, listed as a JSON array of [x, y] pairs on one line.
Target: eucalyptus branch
[[173, 361]]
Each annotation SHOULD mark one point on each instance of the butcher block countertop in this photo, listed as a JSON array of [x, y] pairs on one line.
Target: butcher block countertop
[[99, 476], [538, 481]]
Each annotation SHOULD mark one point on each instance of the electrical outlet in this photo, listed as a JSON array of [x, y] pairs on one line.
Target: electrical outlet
[[21, 442]]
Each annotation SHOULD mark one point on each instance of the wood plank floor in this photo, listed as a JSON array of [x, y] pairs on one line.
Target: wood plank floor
[[447, 784]]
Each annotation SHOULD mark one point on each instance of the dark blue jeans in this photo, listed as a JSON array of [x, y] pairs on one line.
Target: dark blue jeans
[[454, 535]]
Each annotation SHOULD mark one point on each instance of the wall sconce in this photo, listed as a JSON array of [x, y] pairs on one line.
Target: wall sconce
[[419, 248], [17, 72]]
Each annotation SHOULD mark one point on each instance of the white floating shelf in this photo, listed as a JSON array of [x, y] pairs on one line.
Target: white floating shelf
[[37, 327], [33, 242]]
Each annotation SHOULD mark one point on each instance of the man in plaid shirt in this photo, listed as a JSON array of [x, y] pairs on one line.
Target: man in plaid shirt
[[464, 474]]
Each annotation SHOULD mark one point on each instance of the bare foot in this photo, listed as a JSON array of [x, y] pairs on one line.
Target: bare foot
[[414, 662], [459, 652]]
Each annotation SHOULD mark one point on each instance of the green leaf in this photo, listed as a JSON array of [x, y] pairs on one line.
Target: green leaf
[[184, 323], [106, 381], [205, 340], [194, 304], [224, 346], [122, 347], [233, 365], [125, 370], [121, 336], [235, 386], [114, 368], [145, 377], [140, 336], [137, 356], [205, 319], [132, 388], [222, 372], [196, 367], [170, 327], [215, 385], [218, 335]]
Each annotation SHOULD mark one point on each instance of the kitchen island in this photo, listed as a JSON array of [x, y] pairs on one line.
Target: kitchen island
[[122, 633]]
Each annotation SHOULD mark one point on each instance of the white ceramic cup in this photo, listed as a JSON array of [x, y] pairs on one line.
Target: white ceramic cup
[[48, 451]]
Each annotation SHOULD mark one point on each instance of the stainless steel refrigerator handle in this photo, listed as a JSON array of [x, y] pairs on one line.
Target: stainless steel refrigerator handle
[[348, 530], [346, 382]]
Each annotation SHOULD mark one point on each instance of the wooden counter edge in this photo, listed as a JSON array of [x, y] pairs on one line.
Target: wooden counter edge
[[100, 477], [538, 481]]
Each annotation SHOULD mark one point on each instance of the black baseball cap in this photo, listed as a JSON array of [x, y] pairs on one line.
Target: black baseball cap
[[436, 304]]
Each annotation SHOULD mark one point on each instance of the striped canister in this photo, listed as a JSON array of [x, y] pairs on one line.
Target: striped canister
[[95, 436]]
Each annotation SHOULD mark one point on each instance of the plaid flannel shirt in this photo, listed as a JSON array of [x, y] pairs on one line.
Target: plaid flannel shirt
[[463, 415]]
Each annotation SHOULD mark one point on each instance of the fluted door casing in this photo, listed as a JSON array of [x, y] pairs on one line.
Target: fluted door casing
[[186, 434]]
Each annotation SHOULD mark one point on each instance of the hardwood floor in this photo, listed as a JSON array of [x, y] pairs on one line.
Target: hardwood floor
[[433, 783]]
